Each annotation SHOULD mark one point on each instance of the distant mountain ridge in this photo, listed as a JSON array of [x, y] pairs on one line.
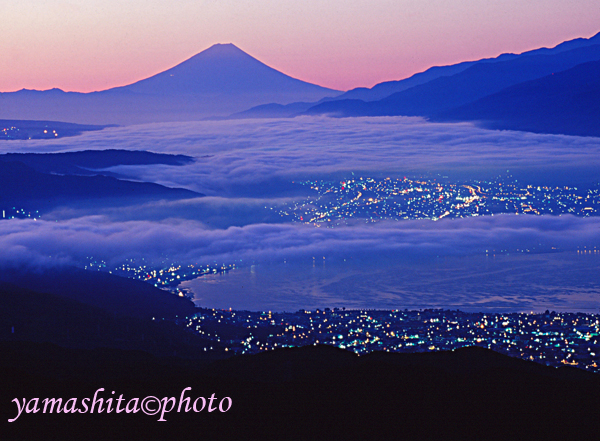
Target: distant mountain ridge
[[225, 82], [565, 102], [221, 80], [447, 92], [387, 88], [460, 93]]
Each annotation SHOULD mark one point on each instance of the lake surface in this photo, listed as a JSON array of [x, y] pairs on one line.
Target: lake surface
[[567, 281]]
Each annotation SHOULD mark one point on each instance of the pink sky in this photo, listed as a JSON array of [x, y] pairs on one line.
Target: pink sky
[[86, 45]]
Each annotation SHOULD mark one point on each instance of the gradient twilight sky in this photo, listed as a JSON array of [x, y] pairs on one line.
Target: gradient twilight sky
[[86, 45]]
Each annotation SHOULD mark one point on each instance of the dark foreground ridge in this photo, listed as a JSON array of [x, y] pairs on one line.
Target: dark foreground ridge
[[314, 392], [73, 341], [23, 289]]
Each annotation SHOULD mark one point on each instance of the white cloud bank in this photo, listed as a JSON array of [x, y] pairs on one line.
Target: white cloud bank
[[188, 241], [234, 154]]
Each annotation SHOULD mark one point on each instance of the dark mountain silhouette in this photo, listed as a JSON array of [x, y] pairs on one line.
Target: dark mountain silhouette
[[314, 392], [110, 293], [351, 103], [385, 89], [27, 315], [77, 331], [25, 187], [218, 81], [470, 85], [224, 68], [87, 162], [565, 102]]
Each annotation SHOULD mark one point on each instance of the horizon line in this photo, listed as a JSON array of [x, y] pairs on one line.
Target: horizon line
[[290, 75]]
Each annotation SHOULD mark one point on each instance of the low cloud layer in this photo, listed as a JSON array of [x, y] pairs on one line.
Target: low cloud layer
[[214, 212], [187, 241], [249, 156]]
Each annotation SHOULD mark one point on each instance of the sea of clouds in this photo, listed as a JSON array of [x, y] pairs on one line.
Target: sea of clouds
[[184, 240], [257, 154], [245, 167]]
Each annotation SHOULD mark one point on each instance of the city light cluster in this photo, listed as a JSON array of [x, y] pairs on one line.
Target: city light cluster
[[550, 338], [371, 200]]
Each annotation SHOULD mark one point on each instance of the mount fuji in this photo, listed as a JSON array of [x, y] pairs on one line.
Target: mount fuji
[[218, 81]]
